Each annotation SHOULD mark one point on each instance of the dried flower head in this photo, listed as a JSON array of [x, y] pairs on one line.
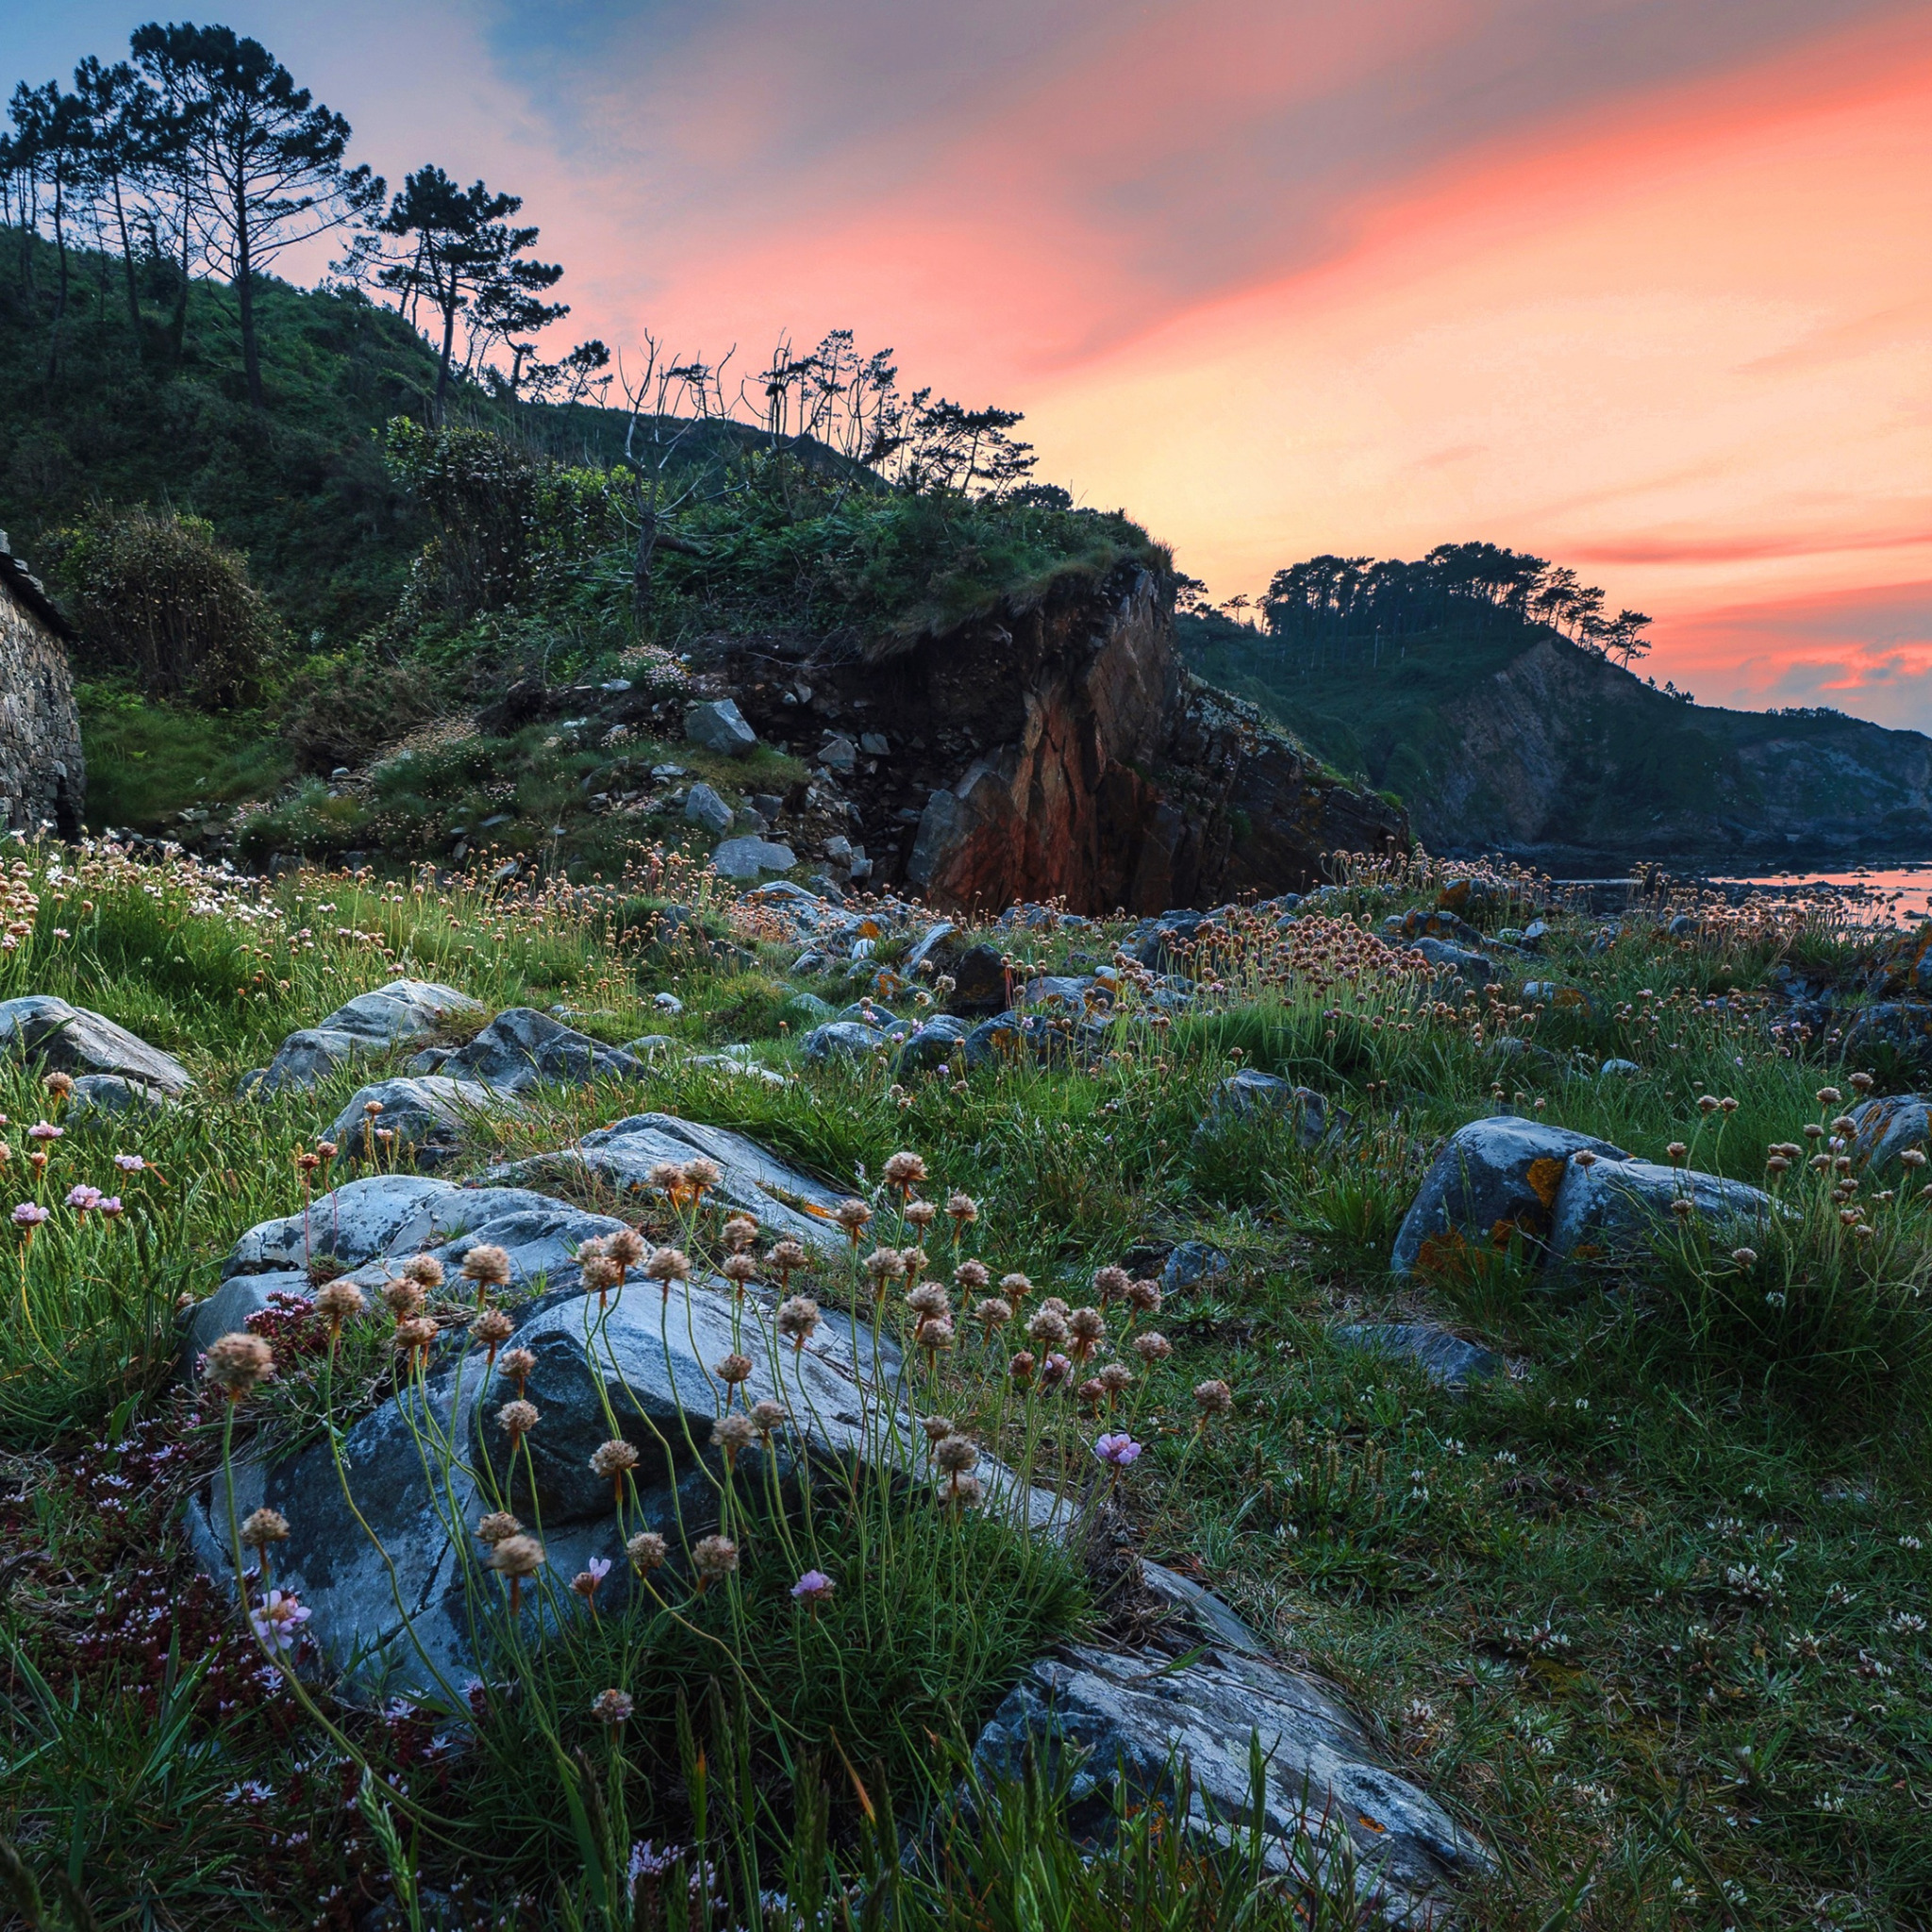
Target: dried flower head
[[236, 1364], [701, 1174], [1087, 1327], [264, 1527], [992, 1314], [1676, 1151], [884, 1265], [493, 1328], [517, 1556], [963, 1209], [598, 1272], [1863, 1082], [797, 1318], [733, 1433], [1744, 1257], [914, 1262], [921, 1215], [1831, 1097], [935, 1332], [713, 1558], [519, 1364], [768, 1416], [486, 1266], [738, 1269], [498, 1526], [1047, 1328], [1016, 1288], [954, 1454], [426, 1271], [1110, 1284], [852, 1215], [338, 1302], [1021, 1368], [972, 1276], [734, 1369], [1144, 1297], [1053, 1305], [1214, 1398], [626, 1247], [666, 1265], [927, 1300], [611, 1460], [612, 1707], [1089, 1394], [517, 1418], [647, 1551], [415, 1335], [667, 1177], [403, 1298], [740, 1232], [965, 1493], [937, 1428], [1913, 1156], [904, 1172], [1153, 1346], [1115, 1379], [786, 1257], [58, 1084]]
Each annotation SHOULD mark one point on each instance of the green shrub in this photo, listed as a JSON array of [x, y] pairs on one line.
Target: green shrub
[[340, 712]]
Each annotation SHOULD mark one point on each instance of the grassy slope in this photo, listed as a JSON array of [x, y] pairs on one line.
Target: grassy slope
[[1642, 1611]]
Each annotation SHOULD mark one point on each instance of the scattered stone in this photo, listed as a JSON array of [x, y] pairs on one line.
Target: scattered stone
[[1250, 1094], [1202, 1617], [521, 1048], [1135, 1719], [929, 941], [1189, 1264], [1497, 1178], [1905, 1027], [703, 806], [1447, 1360], [1619, 1070], [114, 1094], [843, 1039], [1886, 1126], [720, 727], [873, 744], [73, 1039], [934, 1043], [839, 754], [371, 1023], [980, 977], [425, 1116], [1564, 999], [746, 857], [667, 1003]]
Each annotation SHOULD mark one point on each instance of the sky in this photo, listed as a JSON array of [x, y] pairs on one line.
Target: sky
[[1642, 286]]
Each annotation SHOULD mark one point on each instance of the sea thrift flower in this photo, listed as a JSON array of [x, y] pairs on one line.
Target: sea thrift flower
[[739, 1270], [714, 1558], [498, 1526], [45, 1131], [426, 1271], [403, 1297], [904, 1172], [111, 1205], [1152, 1347], [1110, 1284], [626, 1247], [954, 1454], [278, 1624], [992, 1314], [937, 1428], [236, 1364], [29, 1215], [598, 1272], [486, 1265], [914, 1262], [699, 1176], [666, 1265], [611, 1461], [813, 1588], [587, 1579], [129, 1163], [966, 1492], [647, 1551], [1022, 1367], [517, 1556], [970, 1276], [884, 1265], [338, 1302], [927, 1300], [740, 1232], [1115, 1379], [786, 1257], [852, 1215], [264, 1527], [415, 1335], [963, 1209], [59, 1085], [768, 1415], [734, 1434], [1047, 1328], [518, 1364], [1016, 1288], [797, 1318], [517, 1418], [734, 1369], [1144, 1297], [921, 1214], [1117, 1451], [493, 1328], [612, 1707], [1055, 1370], [1089, 1330], [1214, 1398], [81, 1198]]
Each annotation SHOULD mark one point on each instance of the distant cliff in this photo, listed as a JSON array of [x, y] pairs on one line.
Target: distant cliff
[[1522, 742]]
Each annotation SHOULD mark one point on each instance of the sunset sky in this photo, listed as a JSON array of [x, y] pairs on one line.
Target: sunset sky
[[1645, 286]]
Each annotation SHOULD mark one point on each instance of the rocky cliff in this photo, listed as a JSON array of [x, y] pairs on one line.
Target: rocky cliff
[[42, 779], [1061, 750]]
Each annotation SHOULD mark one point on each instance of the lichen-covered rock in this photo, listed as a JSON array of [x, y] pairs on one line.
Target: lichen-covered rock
[[843, 1039], [419, 1121], [1495, 1180], [1477, 969], [1189, 1265], [1902, 1026], [73, 1039], [933, 1042], [1444, 1358], [371, 1023], [521, 1048], [1888, 1124], [1136, 1719], [1613, 1208], [1251, 1094]]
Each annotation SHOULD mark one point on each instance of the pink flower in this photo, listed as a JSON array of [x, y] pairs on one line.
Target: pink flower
[[111, 1205], [129, 1163], [28, 1214], [279, 1622], [813, 1588], [45, 1131], [83, 1197], [1117, 1451]]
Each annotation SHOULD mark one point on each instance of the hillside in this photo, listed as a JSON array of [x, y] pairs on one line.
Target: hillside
[[1509, 738]]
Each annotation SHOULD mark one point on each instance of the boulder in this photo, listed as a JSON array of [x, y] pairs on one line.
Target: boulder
[[843, 1039], [1497, 1178], [979, 981], [1190, 1263], [371, 1023], [720, 725], [622, 1155], [1478, 969], [1560, 997], [1440, 924], [1888, 1126], [938, 1041], [1009, 1037], [72, 1040], [1618, 1208], [522, 1047], [703, 806], [423, 1114], [746, 857], [1899, 1026], [1447, 1360], [1251, 1094], [1133, 1720], [114, 1094]]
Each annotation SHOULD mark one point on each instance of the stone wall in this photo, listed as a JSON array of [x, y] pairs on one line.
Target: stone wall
[[43, 778]]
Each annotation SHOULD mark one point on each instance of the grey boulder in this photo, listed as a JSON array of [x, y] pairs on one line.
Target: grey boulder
[[1447, 1360], [371, 1023], [1251, 1094], [703, 806], [934, 1043], [522, 1047], [1886, 1126], [420, 1120], [748, 856], [1496, 1179], [1129, 1722], [1618, 1209], [843, 1039], [1475, 968], [1189, 1265], [98, 1095], [720, 727], [72, 1040]]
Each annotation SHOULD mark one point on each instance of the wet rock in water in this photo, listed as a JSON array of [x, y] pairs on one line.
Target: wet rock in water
[[522, 1047], [1444, 1358], [785, 1202], [420, 1122], [1617, 1209], [72, 1040], [1129, 1722], [1251, 1094], [720, 725], [1888, 1126], [1191, 1263], [1495, 1179], [371, 1023], [703, 806]]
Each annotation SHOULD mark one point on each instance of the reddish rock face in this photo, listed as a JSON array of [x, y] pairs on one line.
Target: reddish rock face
[[1060, 752]]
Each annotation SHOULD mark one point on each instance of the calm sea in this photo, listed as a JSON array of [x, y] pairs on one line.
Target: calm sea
[[1865, 896]]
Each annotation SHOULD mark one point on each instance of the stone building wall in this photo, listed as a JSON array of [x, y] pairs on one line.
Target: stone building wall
[[43, 778]]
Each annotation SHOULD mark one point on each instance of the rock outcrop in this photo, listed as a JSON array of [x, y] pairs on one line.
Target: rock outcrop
[[72, 1040], [1059, 752], [43, 777], [373, 1022]]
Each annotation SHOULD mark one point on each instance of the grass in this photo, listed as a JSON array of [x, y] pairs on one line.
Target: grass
[[1647, 1611], [148, 761]]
